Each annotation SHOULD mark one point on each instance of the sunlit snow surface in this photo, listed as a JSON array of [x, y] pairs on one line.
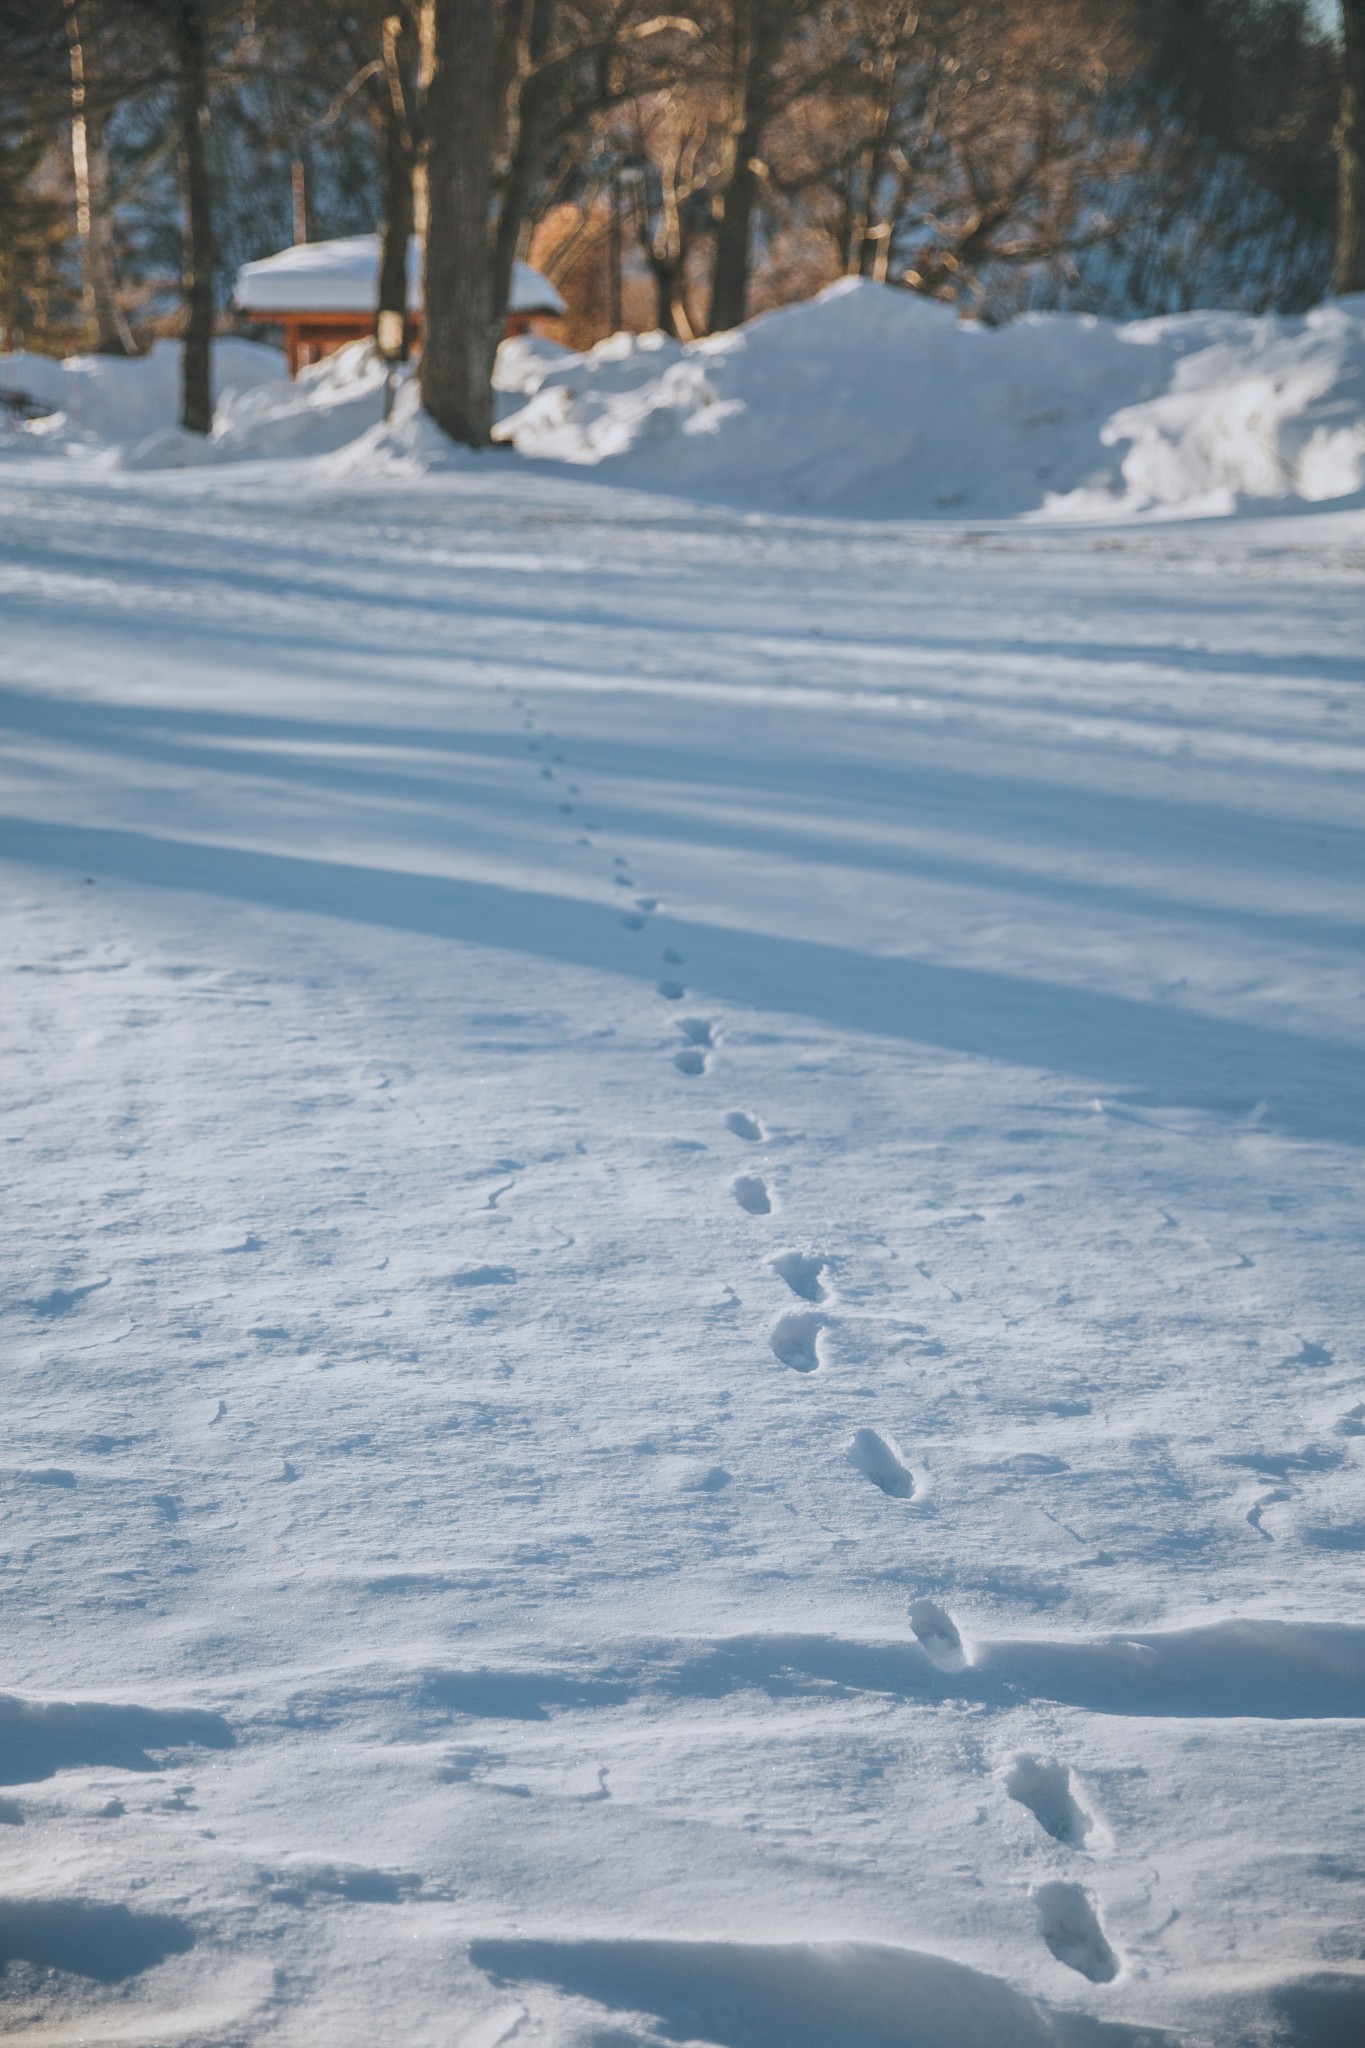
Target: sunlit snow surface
[[683, 1307]]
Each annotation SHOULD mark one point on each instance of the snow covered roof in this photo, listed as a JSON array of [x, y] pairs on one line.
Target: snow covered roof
[[343, 277]]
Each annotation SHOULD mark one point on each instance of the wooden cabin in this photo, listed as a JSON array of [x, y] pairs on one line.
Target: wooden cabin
[[324, 294]]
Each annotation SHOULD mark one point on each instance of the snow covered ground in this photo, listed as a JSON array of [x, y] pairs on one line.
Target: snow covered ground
[[684, 1317]]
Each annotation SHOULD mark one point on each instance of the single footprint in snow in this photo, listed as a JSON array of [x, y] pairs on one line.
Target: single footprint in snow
[[633, 921], [713, 1481], [879, 1460], [796, 1338], [1070, 1926], [752, 1194], [670, 958], [696, 1030], [1045, 1788], [671, 991], [801, 1271], [744, 1126], [938, 1635], [691, 1060]]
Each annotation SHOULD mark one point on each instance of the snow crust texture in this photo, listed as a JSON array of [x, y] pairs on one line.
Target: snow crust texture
[[683, 1322]]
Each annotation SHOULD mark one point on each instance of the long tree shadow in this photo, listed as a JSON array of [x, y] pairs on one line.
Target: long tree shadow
[[357, 583], [1313, 1088], [761, 814]]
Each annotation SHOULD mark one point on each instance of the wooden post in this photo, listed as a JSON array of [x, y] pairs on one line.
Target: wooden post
[[298, 183], [616, 317]]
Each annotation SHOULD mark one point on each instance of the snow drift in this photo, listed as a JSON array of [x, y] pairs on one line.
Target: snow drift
[[865, 402], [101, 400]]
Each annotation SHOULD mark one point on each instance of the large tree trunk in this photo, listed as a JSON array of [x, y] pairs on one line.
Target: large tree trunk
[[757, 35], [730, 277], [460, 324], [191, 58], [398, 126], [1350, 269]]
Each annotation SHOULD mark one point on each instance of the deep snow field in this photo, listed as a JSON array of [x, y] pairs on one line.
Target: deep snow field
[[683, 1324]]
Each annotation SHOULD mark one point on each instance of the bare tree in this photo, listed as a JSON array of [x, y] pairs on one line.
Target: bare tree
[[36, 223], [761, 45], [399, 129], [189, 41], [676, 149], [515, 87], [94, 215], [460, 331]]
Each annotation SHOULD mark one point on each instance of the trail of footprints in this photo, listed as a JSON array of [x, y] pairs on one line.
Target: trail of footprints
[[1068, 1919]]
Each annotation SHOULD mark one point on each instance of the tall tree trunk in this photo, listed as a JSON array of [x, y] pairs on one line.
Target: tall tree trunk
[[757, 35], [1350, 269], [526, 153], [398, 123], [460, 337], [391, 324], [730, 276], [191, 58], [94, 216], [664, 273], [113, 336]]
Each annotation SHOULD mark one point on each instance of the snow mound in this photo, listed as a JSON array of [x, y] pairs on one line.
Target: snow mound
[[102, 400], [865, 402], [871, 402]]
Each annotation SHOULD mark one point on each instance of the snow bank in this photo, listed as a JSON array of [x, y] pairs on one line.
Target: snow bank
[[331, 404], [872, 402], [865, 402], [113, 399]]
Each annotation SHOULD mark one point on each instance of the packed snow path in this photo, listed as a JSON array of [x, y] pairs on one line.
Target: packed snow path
[[684, 1308]]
